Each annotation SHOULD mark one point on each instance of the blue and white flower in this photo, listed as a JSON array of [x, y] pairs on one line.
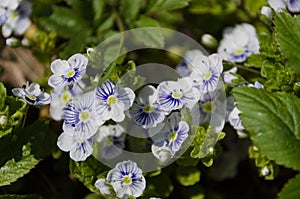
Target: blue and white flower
[[16, 20], [162, 152], [67, 72], [146, 112], [60, 97], [79, 148], [174, 95], [173, 134], [32, 94], [110, 141], [127, 179], [112, 100], [238, 43], [79, 114], [185, 67], [103, 188], [293, 5], [228, 76], [207, 71], [277, 5]]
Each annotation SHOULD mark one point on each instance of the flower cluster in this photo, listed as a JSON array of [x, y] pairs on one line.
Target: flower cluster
[[14, 16]]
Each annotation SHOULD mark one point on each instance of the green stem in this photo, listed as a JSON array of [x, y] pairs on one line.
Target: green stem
[[248, 69]]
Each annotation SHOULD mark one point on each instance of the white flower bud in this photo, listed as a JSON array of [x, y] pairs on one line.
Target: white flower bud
[[3, 120], [209, 40], [265, 10], [265, 171]]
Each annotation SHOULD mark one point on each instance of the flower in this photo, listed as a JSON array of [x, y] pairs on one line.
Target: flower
[[277, 4], [60, 97], [173, 134], [103, 188], [265, 10], [67, 72], [112, 100], [32, 94], [293, 5], [110, 141], [126, 179], [228, 76], [79, 148], [174, 95], [185, 67], [146, 112], [162, 152], [207, 71], [17, 18], [10, 4], [80, 115], [238, 43]]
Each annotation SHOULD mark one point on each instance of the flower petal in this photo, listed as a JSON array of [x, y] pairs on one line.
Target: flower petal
[[66, 141]]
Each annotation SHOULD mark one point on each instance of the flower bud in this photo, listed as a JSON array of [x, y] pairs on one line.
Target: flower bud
[[209, 41]]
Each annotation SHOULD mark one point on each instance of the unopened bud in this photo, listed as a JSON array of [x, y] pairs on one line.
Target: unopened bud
[[13, 42], [265, 10], [265, 171], [209, 41], [3, 120]]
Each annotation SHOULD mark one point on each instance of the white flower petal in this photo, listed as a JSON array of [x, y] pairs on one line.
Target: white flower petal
[[56, 81], [78, 61], [103, 188], [66, 141], [21, 26], [19, 92], [60, 67]]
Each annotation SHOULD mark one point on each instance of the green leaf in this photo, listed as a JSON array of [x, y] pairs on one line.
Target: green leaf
[[204, 141], [66, 23], [273, 121], [12, 169], [188, 176], [288, 35], [213, 7], [87, 172], [129, 9], [154, 186], [291, 189], [154, 38], [106, 24], [98, 7], [159, 5], [2, 96]]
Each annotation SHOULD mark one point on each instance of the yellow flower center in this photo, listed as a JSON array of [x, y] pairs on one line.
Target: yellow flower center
[[31, 97], [71, 73], [84, 116], [173, 136], [111, 100], [127, 179], [207, 76], [176, 95], [208, 107], [239, 51], [66, 97], [148, 109]]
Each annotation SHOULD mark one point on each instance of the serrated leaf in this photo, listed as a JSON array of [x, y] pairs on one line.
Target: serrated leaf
[[291, 189], [188, 176], [150, 37], [12, 169], [87, 172], [288, 35], [129, 9], [158, 5], [273, 121]]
